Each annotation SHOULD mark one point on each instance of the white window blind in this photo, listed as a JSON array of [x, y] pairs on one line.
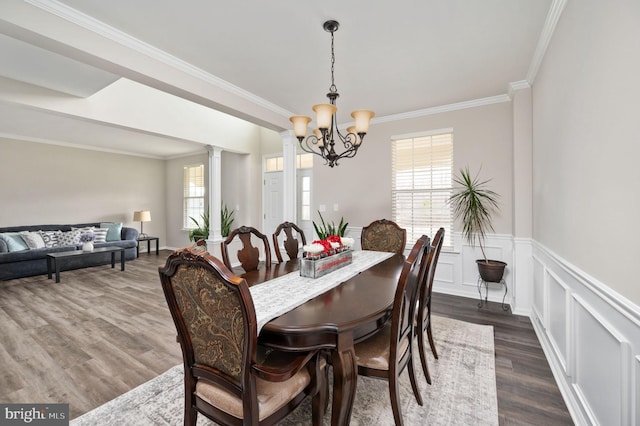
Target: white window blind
[[421, 185], [193, 195]]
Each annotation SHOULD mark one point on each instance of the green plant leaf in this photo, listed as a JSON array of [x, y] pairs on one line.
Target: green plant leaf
[[474, 204]]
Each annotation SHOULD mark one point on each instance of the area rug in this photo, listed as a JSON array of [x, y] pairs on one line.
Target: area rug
[[463, 390]]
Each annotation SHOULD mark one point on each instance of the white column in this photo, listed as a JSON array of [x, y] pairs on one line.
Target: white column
[[215, 195], [522, 198], [289, 151]]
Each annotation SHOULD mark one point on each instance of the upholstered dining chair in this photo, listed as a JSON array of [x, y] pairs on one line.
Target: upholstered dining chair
[[388, 353], [383, 235], [291, 244], [423, 317], [248, 255], [227, 376]]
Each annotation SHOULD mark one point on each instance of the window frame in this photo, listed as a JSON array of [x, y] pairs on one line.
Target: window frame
[[188, 211], [432, 192]]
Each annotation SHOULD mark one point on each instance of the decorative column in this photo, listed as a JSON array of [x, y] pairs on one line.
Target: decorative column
[[289, 195], [215, 194], [522, 198]]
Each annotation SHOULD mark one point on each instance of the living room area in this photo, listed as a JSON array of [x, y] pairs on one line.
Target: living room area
[[114, 114]]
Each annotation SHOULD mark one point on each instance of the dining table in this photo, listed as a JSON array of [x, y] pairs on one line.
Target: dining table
[[334, 320]]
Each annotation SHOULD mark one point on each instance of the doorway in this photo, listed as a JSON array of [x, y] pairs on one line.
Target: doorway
[[273, 196]]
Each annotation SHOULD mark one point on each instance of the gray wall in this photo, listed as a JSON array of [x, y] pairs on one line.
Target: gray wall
[[586, 137], [47, 184], [361, 186]]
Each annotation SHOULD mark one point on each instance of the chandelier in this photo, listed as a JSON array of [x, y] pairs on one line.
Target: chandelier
[[323, 140]]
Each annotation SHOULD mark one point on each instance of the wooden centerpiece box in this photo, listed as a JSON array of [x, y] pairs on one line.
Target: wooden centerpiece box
[[316, 267]]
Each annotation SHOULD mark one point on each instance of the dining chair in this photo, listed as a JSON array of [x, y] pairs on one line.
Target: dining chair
[[388, 353], [423, 316], [248, 255], [383, 235], [228, 377], [291, 244]]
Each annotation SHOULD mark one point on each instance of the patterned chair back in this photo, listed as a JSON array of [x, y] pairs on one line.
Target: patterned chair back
[[214, 316], [383, 235]]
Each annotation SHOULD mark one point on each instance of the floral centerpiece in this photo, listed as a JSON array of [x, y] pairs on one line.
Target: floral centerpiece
[[87, 241], [324, 256], [329, 246]]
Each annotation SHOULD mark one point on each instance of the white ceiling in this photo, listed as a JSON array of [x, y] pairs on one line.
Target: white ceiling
[[273, 56]]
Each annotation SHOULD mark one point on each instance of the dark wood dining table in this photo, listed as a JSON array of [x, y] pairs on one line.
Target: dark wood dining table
[[335, 321]]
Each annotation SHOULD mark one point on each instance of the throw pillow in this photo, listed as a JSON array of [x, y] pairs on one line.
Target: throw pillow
[[33, 240], [14, 241], [50, 238], [69, 238], [114, 230], [101, 235], [84, 230]]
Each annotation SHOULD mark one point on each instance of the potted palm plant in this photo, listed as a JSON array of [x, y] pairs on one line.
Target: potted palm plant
[[200, 234], [474, 204]]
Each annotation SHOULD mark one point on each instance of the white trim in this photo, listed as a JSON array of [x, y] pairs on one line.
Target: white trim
[[88, 22], [443, 108], [557, 6], [611, 315], [518, 85], [84, 147]]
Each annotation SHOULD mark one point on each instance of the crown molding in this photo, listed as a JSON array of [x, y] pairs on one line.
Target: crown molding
[[83, 147], [517, 85], [557, 6], [89, 23], [85, 21], [443, 108]]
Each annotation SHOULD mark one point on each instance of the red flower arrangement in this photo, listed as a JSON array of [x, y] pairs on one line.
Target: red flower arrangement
[[326, 244]]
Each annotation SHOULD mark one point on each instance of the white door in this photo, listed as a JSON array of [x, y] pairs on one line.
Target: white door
[[273, 202]]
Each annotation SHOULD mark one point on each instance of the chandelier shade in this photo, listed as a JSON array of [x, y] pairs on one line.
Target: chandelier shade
[[322, 141]]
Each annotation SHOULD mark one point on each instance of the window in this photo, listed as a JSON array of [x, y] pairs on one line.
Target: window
[[421, 184], [193, 195], [305, 201], [276, 164]]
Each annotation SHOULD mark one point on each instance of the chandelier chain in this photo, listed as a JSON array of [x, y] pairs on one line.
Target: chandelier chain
[[332, 88]]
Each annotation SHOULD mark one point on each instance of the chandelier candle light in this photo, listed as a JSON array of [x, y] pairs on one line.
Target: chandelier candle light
[[322, 141]]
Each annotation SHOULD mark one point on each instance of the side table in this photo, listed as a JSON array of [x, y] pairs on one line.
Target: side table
[[148, 240]]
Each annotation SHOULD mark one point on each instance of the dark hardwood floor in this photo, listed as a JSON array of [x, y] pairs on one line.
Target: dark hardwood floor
[[101, 332], [527, 391]]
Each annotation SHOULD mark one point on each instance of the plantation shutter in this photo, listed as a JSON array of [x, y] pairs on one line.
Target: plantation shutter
[[421, 184], [193, 195]]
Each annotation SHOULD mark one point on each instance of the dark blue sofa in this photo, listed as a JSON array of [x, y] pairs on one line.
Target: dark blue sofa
[[24, 263]]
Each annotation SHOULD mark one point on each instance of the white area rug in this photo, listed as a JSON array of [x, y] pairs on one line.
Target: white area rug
[[463, 390]]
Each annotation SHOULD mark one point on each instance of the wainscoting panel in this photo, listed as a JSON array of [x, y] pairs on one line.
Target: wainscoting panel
[[595, 341], [635, 396], [538, 290], [457, 273], [591, 337], [556, 320]]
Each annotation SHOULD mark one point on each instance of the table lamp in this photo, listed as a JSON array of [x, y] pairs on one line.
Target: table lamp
[[142, 216]]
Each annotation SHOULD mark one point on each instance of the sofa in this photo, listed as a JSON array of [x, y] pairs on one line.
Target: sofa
[[24, 249]]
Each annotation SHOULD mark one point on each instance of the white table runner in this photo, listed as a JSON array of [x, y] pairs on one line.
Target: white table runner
[[280, 295]]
